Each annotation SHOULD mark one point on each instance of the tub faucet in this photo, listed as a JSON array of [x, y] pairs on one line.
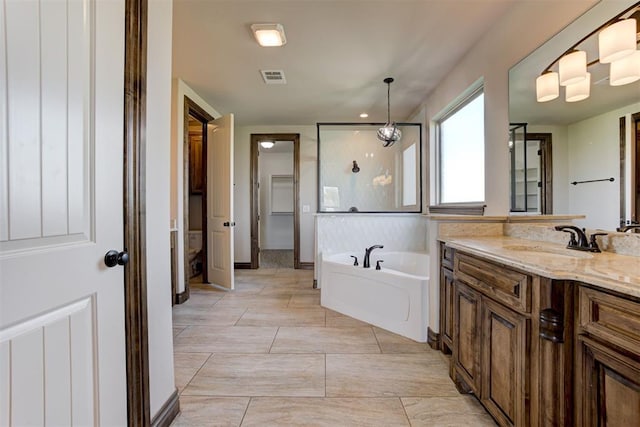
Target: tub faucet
[[367, 255]]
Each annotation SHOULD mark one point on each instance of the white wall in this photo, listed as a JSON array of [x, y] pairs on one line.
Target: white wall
[[276, 231], [179, 89], [161, 380], [594, 153], [308, 186]]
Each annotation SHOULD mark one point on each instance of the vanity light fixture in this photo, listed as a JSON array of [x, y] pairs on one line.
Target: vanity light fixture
[[617, 43], [625, 70], [267, 144], [269, 35], [578, 91], [389, 134]]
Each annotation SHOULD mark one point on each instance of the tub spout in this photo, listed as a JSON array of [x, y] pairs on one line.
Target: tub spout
[[367, 255]]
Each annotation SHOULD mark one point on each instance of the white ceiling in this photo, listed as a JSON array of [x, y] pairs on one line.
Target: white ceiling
[[336, 56]]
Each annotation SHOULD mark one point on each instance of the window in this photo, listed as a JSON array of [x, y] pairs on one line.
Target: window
[[461, 152]]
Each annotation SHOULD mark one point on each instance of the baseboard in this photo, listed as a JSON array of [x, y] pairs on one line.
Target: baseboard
[[242, 265], [306, 266], [168, 412], [181, 297], [433, 339]]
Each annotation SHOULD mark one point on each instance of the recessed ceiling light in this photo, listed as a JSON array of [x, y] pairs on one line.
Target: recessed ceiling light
[[267, 144], [364, 115], [269, 35]]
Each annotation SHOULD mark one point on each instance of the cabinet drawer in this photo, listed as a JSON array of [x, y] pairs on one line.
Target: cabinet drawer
[[610, 318], [510, 287], [446, 256]]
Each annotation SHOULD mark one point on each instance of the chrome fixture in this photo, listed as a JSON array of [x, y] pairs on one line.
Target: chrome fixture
[[389, 134], [617, 46], [367, 255], [581, 244], [355, 168]]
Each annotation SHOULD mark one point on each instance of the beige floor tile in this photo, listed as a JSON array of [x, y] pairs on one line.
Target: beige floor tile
[[207, 315], [305, 299], [254, 301], [446, 411], [260, 375], [190, 360], [202, 299], [177, 330], [338, 320], [385, 375], [283, 317], [232, 339], [205, 411], [325, 340], [394, 343], [325, 412]]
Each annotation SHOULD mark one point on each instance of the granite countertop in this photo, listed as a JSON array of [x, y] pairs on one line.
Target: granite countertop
[[607, 270]]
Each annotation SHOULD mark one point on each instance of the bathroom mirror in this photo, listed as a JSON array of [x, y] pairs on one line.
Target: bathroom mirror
[[594, 155], [357, 174]]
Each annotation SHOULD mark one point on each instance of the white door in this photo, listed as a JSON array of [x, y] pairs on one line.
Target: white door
[[220, 201], [62, 342]]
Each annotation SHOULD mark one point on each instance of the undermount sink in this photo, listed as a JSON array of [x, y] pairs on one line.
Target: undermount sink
[[539, 250]]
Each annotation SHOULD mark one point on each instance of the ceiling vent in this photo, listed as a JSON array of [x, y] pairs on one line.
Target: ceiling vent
[[273, 77]]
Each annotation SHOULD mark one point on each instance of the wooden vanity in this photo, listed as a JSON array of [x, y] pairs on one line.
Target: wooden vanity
[[537, 349]]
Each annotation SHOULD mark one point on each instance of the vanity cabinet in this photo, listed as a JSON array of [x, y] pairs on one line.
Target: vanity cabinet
[[607, 359], [446, 298], [511, 340]]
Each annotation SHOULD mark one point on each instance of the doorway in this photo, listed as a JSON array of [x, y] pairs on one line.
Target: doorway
[[275, 220], [195, 195]]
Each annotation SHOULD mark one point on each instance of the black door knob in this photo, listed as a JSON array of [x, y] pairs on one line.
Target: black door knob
[[113, 258]]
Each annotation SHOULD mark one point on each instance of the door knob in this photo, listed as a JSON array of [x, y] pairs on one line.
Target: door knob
[[229, 224], [113, 258]]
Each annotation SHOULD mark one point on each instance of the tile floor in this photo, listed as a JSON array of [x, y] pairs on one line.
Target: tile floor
[[268, 354]]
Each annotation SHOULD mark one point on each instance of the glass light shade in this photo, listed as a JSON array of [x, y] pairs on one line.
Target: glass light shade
[[389, 134], [617, 40], [269, 35], [625, 70], [547, 87], [573, 67], [267, 144], [578, 91]]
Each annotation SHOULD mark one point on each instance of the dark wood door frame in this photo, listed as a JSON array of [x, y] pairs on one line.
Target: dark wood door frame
[[194, 110], [634, 160], [546, 171], [254, 207]]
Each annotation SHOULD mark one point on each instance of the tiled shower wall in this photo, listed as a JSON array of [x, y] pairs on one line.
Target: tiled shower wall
[[354, 232]]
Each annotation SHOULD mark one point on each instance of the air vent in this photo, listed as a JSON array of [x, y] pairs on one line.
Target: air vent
[[273, 77]]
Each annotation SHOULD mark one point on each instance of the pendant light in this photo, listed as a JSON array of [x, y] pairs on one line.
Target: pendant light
[[578, 91], [573, 67], [389, 134]]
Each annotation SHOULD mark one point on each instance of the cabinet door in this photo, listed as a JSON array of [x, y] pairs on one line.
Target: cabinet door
[[503, 363], [607, 386], [446, 309], [466, 336]]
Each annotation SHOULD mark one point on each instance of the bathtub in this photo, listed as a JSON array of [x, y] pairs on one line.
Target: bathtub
[[394, 298]]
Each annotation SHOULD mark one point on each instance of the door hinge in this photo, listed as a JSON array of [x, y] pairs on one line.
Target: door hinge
[[258, 217], [258, 184], [539, 184], [539, 152]]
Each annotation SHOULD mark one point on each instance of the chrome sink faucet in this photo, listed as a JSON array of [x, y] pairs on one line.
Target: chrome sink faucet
[[367, 255], [581, 244]]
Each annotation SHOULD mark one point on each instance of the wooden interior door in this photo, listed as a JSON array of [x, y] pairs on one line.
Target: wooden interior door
[[219, 198], [62, 325]]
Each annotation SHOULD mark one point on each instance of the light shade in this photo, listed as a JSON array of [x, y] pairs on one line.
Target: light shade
[[617, 40], [269, 35], [547, 87], [625, 70], [573, 67], [267, 144], [578, 91]]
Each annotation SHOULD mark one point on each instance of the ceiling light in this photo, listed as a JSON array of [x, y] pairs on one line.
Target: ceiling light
[[269, 35], [547, 87], [617, 40], [578, 91], [267, 144], [573, 67], [389, 134], [363, 115], [625, 70]]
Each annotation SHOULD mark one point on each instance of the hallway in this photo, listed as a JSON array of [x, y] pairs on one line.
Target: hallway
[[268, 354]]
